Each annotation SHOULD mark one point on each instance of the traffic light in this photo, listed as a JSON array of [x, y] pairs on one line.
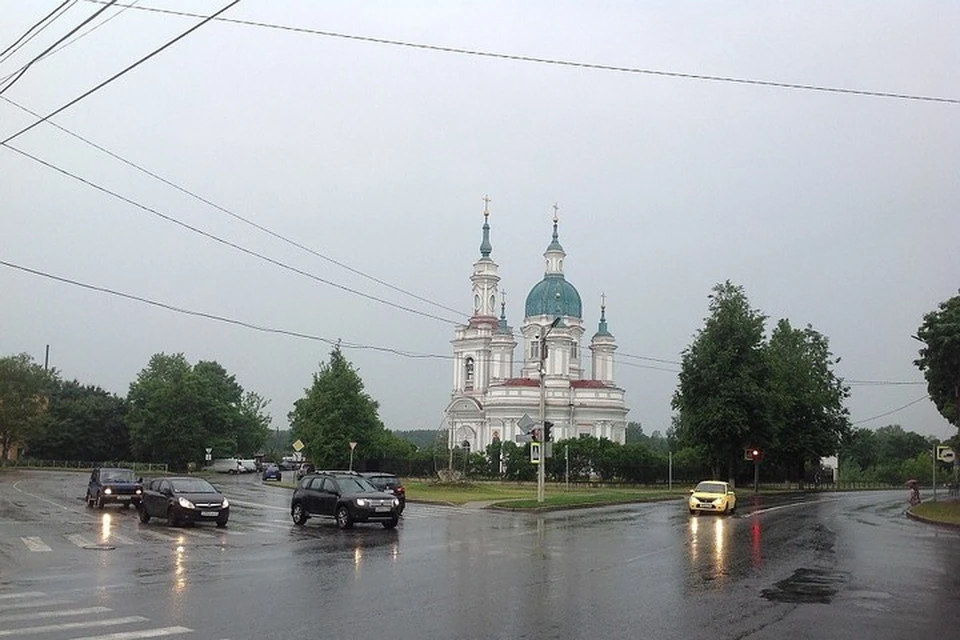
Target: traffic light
[[536, 434], [752, 453], [547, 431]]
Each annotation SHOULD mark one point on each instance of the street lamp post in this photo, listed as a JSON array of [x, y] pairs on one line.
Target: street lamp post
[[541, 471]]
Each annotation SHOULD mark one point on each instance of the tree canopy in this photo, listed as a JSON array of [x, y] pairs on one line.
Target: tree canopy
[[24, 396], [83, 422], [335, 411], [739, 390], [940, 357], [178, 410], [722, 397]]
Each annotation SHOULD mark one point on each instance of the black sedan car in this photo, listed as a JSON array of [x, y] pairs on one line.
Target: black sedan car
[[184, 500], [113, 484]]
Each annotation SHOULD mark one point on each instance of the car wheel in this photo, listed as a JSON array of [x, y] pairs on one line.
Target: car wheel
[[392, 523], [99, 501], [299, 514], [279, 478], [144, 516], [344, 521], [172, 518], [221, 522], [400, 508], [88, 500]]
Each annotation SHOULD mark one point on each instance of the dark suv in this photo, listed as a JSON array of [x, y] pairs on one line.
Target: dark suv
[[113, 484], [389, 482], [345, 496]]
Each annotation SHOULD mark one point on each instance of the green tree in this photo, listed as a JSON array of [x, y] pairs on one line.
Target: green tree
[[940, 357], [894, 445], [83, 422], [807, 412], [634, 433], [859, 447], [24, 397], [335, 411], [722, 397], [177, 411]]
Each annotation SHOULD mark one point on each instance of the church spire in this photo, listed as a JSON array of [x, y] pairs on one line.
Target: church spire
[[602, 329], [485, 246], [555, 242]]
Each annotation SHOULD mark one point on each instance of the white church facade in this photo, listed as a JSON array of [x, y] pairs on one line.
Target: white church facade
[[492, 392]]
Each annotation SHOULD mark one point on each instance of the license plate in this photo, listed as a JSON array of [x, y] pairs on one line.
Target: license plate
[[383, 509], [209, 514]]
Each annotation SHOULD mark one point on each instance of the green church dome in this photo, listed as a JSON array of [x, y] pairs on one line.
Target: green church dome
[[554, 296]]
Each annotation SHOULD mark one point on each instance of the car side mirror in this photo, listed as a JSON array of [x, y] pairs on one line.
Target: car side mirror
[[140, 480], [691, 491]]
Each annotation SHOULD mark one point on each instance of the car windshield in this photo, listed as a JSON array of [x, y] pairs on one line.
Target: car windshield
[[116, 475], [192, 485], [711, 487], [382, 482], [355, 485]]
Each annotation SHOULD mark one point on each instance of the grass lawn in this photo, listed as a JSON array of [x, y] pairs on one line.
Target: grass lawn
[[524, 495], [947, 511]]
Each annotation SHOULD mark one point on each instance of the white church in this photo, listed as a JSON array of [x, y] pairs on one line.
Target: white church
[[490, 397]]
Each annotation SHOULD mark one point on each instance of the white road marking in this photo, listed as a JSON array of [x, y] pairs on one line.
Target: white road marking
[[25, 594], [133, 635], [34, 543], [116, 537], [66, 626], [26, 617], [32, 604], [78, 540], [157, 535]]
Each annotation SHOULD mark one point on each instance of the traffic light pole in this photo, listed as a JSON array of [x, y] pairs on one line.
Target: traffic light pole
[[541, 470]]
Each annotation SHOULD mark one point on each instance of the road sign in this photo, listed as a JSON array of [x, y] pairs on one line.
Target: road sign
[[208, 457], [526, 422], [946, 454], [209, 450], [523, 438], [535, 452], [298, 445], [353, 445]]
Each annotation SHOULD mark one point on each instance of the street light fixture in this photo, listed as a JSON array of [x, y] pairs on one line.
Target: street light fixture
[[541, 471]]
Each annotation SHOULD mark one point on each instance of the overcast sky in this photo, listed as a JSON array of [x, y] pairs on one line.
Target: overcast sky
[[830, 209]]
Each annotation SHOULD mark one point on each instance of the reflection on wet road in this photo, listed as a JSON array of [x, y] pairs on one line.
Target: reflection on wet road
[[823, 566]]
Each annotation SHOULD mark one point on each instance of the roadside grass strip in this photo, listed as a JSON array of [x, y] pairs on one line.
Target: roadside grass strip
[[946, 511]]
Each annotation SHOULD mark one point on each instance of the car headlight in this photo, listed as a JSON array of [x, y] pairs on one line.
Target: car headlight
[[362, 502], [226, 503], [139, 491], [396, 502], [108, 491], [186, 504]]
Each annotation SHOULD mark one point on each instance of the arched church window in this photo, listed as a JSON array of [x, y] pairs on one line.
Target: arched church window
[[466, 447], [468, 373], [476, 303], [493, 302], [534, 349], [574, 351]]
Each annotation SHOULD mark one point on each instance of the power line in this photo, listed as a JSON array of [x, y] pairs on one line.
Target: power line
[[883, 415], [24, 69], [233, 214], [79, 37], [121, 73], [224, 242], [30, 34], [881, 383], [568, 63], [219, 318]]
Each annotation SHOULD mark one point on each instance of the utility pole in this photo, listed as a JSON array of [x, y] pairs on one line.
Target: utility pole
[[541, 470]]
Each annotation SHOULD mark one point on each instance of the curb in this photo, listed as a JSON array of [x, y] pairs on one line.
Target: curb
[[937, 523]]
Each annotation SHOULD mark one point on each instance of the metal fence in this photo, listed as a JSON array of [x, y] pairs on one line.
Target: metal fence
[[85, 465]]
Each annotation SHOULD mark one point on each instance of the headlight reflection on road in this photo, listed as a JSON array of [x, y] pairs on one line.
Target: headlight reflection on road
[[180, 570], [756, 543], [106, 523], [694, 527], [357, 559]]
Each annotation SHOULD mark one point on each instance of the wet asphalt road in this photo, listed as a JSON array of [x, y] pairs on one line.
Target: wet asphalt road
[[826, 566]]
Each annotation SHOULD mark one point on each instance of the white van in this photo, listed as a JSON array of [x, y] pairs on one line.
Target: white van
[[246, 466], [226, 465]]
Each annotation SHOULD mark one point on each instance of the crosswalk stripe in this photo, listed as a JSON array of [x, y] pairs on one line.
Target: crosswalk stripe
[[67, 626], [24, 594], [32, 603], [146, 633], [157, 535], [26, 617], [78, 540], [116, 537], [34, 543]]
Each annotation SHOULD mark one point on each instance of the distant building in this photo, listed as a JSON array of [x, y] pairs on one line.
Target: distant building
[[489, 398]]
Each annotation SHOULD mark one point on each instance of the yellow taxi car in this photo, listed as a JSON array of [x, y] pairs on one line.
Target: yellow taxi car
[[714, 496]]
